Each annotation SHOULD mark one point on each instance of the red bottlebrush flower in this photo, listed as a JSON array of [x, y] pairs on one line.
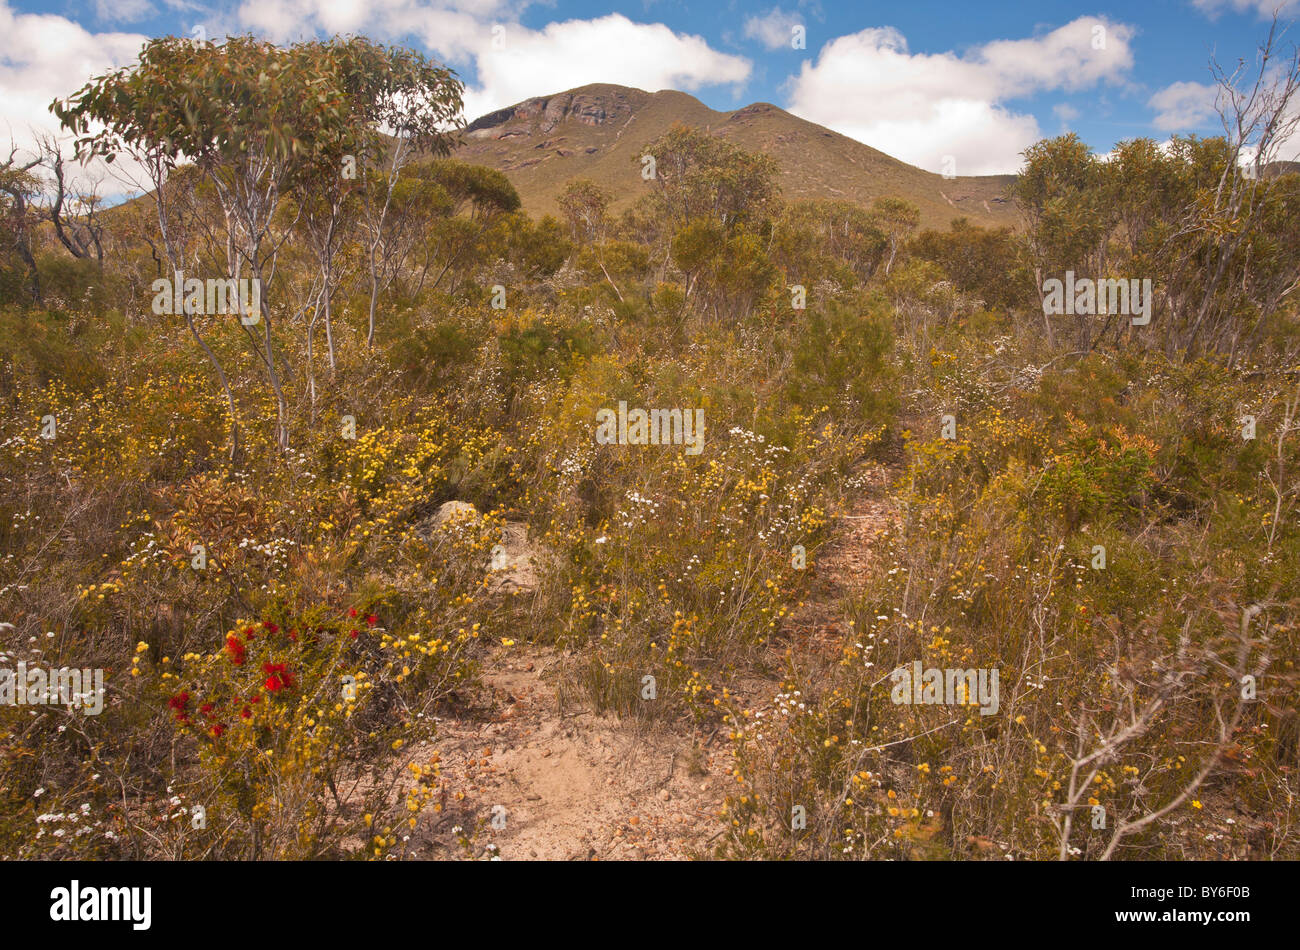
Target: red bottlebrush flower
[[236, 649], [272, 628], [352, 634], [372, 620], [246, 714], [217, 730], [250, 632], [179, 702], [206, 709], [276, 677], [293, 635], [256, 699]]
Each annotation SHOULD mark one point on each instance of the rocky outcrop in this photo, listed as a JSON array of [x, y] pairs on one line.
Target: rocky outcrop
[[453, 509], [542, 114], [513, 563]]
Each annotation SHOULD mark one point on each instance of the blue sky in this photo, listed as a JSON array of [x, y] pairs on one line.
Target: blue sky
[[929, 81]]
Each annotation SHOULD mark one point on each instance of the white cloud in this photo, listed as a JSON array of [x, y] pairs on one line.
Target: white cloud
[[123, 11], [1075, 56], [44, 57], [1183, 106], [922, 107], [1065, 112], [609, 49], [1263, 8], [528, 62], [773, 29], [450, 28]]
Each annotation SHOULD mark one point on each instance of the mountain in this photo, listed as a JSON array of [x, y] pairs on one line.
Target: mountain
[[599, 132]]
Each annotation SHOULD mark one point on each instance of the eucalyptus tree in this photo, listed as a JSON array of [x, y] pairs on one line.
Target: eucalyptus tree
[[585, 206], [260, 122], [407, 106], [466, 200], [700, 176]]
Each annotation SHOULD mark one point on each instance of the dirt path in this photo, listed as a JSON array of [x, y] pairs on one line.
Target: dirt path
[[575, 785], [579, 785], [818, 624]]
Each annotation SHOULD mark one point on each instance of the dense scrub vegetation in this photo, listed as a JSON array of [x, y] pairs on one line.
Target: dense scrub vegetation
[[231, 513]]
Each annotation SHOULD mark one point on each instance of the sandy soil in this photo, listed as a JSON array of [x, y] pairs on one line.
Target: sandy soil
[[575, 785], [572, 784]]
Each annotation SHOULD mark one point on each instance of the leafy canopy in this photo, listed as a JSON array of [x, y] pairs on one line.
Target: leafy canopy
[[302, 107]]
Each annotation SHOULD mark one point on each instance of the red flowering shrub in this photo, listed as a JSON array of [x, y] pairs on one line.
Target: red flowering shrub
[[287, 723], [276, 677]]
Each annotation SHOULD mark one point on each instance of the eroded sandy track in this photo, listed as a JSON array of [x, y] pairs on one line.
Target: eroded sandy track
[[573, 784], [577, 785]]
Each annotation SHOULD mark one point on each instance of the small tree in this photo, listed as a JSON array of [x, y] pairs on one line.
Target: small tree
[[898, 219], [405, 105], [585, 206], [18, 189], [426, 225], [260, 122], [698, 175]]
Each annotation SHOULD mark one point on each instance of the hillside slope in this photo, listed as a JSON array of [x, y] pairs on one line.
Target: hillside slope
[[599, 132]]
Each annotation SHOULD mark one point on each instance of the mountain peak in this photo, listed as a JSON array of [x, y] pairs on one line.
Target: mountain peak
[[599, 131], [594, 104]]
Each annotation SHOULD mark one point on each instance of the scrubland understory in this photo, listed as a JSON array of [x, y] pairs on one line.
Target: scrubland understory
[[627, 650]]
